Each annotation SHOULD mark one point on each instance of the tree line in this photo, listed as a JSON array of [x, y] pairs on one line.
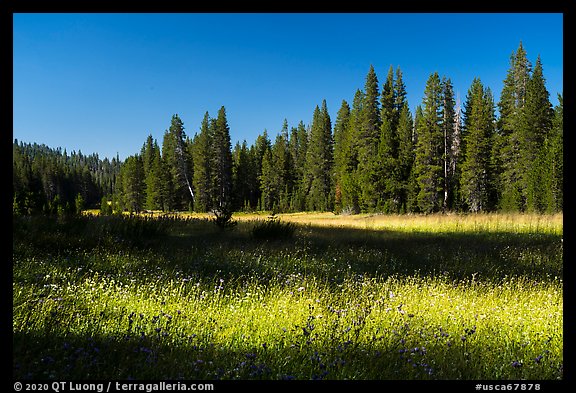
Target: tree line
[[375, 157]]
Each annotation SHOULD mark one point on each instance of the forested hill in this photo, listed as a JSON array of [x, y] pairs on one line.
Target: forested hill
[[376, 156], [48, 180]]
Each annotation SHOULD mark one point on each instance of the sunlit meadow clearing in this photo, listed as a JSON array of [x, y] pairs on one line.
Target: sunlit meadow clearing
[[347, 297]]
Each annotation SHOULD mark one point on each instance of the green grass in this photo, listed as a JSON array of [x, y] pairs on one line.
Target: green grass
[[183, 299]]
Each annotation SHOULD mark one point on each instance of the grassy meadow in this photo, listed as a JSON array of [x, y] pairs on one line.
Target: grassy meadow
[[345, 297]]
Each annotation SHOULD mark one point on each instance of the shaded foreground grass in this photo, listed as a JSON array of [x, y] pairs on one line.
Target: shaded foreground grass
[[181, 299]]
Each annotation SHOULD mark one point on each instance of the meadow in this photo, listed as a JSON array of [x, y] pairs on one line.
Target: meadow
[[345, 297]]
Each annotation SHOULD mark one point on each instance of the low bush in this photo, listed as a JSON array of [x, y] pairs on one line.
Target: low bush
[[273, 229]]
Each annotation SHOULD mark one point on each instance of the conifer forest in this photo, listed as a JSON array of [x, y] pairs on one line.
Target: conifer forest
[[376, 156]]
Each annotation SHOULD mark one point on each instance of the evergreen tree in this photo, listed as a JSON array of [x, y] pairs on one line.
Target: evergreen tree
[[298, 146], [399, 97], [405, 155], [177, 163], [261, 146], [244, 181], [429, 149], [341, 151], [413, 184], [508, 163], [476, 177], [551, 162], [350, 188], [132, 175], [147, 153], [317, 175], [202, 178], [533, 129], [368, 144], [222, 164], [387, 171], [275, 179], [152, 182], [270, 182], [155, 192], [449, 137]]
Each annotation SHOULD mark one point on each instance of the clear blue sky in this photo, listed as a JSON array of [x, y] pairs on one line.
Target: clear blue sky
[[100, 83]]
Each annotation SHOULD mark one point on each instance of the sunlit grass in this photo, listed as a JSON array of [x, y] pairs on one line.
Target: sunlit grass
[[306, 309]]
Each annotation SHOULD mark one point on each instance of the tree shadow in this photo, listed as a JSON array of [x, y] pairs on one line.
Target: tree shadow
[[197, 247], [72, 356]]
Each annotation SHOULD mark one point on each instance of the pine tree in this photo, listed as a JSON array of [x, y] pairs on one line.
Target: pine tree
[[317, 179], [405, 155], [429, 149], [552, 162], [202, 178], [132, 175], [275, 176], [298, 145], [350, 189], [244, 181], [155, 192], [268, 182], [222, 164], [147, 153], [448, 130], [387, 170], [177, 163], [476, 177], [152, 182], [399, 97], [261, 146], [508, 162], [413, 184], [533, 129], [341, 150], [368, 144]]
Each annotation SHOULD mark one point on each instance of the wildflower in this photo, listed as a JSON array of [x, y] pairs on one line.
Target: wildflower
[[470, 331], [538, 359], [516, 364]]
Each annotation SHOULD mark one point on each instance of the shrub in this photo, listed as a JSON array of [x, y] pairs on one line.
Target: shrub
[[223, 219], [273, 229]]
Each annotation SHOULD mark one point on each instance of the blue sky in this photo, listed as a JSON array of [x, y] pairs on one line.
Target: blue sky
[[102, 82]]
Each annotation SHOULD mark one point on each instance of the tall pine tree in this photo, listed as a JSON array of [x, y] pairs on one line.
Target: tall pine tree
[[508, 162], [369, 134], [429, 148], [533, 129], [341, 151], [202, 178], [177, 164], [317, 179], [476, 176], [222, 164]]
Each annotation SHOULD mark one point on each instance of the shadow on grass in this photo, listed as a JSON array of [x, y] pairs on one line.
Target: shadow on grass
[[128, 249], [101, 357], [197, 247]]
